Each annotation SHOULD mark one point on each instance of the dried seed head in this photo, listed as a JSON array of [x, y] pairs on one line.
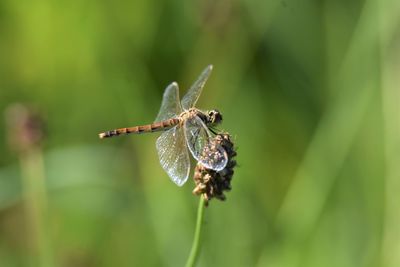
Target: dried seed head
[[25, 127], [212, 184]]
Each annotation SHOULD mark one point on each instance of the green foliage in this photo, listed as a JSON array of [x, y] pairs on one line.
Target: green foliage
[[309, 90]]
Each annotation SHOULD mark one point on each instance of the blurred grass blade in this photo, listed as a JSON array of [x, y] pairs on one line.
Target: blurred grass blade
[[390, 62]]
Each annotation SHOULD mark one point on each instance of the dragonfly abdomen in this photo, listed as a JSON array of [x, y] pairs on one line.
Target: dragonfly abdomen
[[149, 128]]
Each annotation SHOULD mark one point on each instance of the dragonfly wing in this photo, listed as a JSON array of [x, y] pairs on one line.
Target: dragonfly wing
[[199, 140], [170, 106], [173, 154], [193, 94]]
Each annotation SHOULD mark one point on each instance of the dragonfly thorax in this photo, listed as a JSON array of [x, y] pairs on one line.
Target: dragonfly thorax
[[210, 118]]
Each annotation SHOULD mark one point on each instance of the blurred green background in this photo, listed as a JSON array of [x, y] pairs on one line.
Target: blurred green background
[[308, 89]]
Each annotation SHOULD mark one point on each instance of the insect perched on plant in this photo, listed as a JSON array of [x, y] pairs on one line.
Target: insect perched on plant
[[186, 128]]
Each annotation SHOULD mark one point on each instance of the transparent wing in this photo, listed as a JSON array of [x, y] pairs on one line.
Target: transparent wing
[[170, 105], [193, 94], [210, 154], [173, 154]]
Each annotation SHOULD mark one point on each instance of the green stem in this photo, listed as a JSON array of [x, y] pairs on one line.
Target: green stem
[[194, 252], [34, 186]]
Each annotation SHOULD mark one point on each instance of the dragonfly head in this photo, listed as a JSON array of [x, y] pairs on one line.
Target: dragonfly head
[[214, 117]]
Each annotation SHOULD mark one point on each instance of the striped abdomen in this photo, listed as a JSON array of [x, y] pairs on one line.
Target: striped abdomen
[[149, 128]]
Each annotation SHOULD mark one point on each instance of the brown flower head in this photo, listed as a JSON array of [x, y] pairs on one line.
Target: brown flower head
[[25, 127], [212, 184]]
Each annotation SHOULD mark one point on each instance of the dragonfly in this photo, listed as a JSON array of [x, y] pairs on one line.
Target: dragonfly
[[186, 128]]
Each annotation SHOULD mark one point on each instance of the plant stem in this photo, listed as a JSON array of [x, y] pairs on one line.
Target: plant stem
[[33, 180], [194, 252]]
